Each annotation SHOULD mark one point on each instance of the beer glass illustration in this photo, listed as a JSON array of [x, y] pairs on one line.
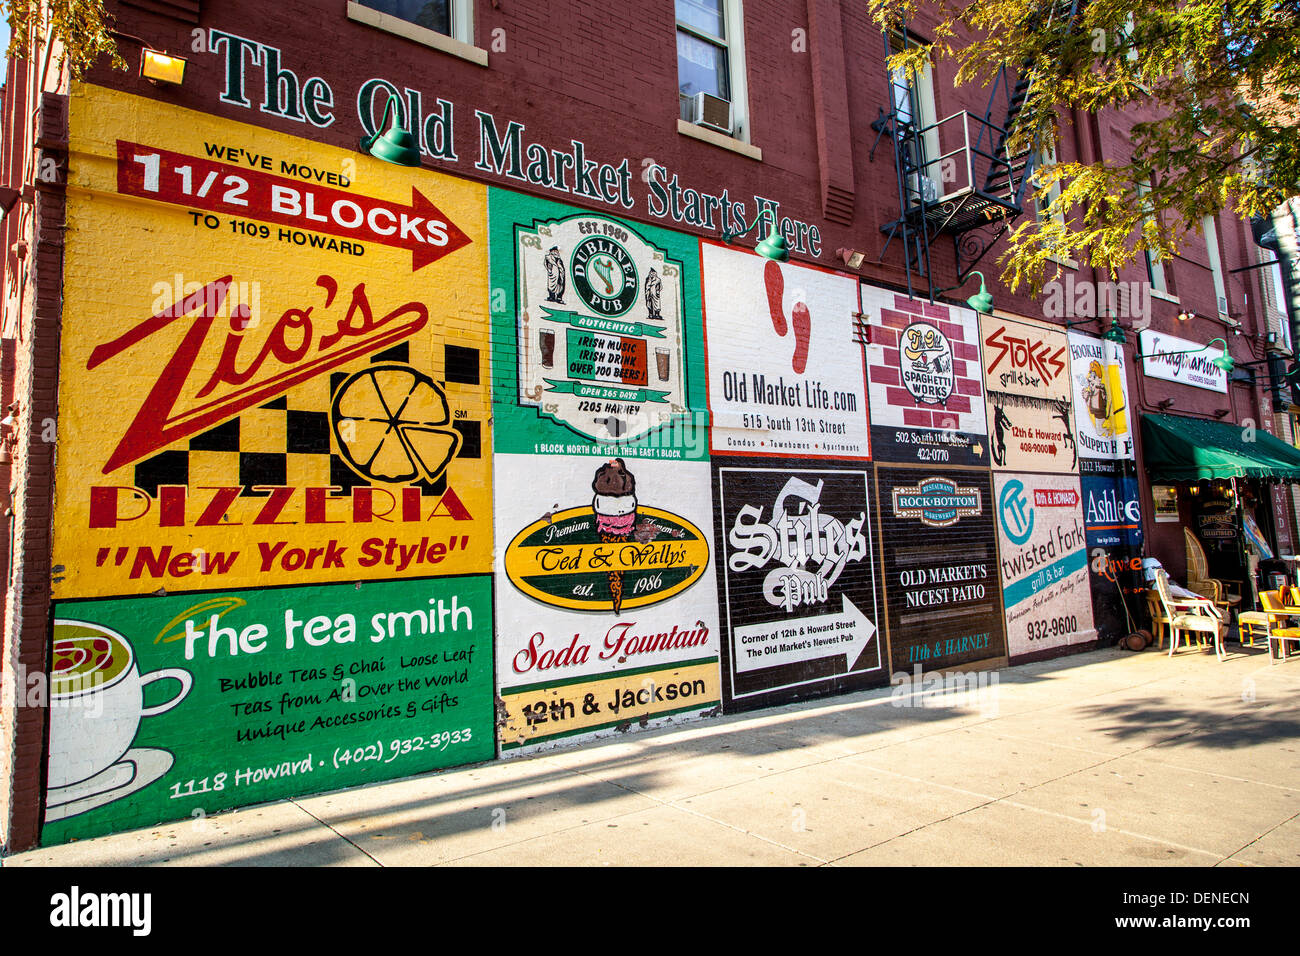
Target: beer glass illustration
[[662, 360], [97, 702], [546, 339]]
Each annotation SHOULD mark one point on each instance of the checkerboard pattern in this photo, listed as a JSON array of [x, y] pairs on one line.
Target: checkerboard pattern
[[288, 441]]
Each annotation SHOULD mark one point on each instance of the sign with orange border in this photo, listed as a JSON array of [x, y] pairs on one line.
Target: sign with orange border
[[274, 360]]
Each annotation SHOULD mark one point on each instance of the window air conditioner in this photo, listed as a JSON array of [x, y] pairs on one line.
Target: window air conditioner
[[1223, 306], [922, 188], [711, 112]]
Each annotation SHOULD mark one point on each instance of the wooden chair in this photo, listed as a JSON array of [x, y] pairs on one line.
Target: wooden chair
[[1184, 616], [1278, 630], [1198, 575]]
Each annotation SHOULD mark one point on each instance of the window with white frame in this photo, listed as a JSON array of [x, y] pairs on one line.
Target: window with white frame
[[711, 61], [1216, 263], [913, 100], [1273, 290], [1155, 263], [452, 18], [1046, 160]]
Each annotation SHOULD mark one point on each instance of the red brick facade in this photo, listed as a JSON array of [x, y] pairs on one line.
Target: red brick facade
[[568, 71]]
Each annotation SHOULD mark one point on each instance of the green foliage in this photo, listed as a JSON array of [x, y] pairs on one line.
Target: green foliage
[[82, 28], [1210, 89]]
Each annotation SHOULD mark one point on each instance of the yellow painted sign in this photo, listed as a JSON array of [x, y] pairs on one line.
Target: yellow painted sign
[[562, 560], [274, 362], [535, 715]]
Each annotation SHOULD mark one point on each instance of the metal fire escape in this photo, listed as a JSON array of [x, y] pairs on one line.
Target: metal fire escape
[[974, 189]]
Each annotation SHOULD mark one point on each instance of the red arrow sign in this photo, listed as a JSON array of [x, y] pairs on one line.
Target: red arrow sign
[[199, 183]]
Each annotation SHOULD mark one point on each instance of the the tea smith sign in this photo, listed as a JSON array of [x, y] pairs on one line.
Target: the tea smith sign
[[1181, 360]]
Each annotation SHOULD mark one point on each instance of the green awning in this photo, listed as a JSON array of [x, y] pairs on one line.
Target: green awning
[[1190, 449]]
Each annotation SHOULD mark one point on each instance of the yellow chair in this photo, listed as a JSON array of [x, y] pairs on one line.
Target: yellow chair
[[1185, 616], [1252, 624], [1277, 630]]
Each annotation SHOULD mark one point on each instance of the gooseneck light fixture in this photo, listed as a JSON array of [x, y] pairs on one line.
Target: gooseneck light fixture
[[981, 301], [1114, 332], [396, 146], [773, 247], [1223, 361]]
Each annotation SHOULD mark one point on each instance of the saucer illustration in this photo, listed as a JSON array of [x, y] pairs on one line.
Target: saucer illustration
[[138, 768]]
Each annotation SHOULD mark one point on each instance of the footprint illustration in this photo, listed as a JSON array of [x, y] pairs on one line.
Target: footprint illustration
[[775, 283], [800, 317]]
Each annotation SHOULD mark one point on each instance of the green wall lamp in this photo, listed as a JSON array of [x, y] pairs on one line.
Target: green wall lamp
[[396, 146], [1114, 332], [773, 247], [981, 301]]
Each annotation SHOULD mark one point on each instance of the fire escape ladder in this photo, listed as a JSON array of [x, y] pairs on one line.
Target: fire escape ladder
[[1008, 175], [965, 183]]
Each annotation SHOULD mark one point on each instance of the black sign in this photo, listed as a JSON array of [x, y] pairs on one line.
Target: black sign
[[942, 588], [796, 576]]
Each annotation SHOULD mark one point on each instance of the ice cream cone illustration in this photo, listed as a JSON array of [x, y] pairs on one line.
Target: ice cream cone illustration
[[615, 508]]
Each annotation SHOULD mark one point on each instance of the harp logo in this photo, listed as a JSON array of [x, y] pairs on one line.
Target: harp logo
[[604, 276]]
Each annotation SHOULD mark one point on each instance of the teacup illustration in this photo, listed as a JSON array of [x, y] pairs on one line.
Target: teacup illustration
[[97, 700]]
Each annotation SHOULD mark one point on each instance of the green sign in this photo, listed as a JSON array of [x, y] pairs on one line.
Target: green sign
[[174, 707], [597, 335]]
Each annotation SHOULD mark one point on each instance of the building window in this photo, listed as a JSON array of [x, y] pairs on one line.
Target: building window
[[1216, 264], [711, 59], [1155, 264], [1273, 295], [1046, 160], [913, 101], [446, 25], [434, 16]]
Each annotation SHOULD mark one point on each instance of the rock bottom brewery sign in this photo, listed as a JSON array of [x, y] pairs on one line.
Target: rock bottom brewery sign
[[937, 502]]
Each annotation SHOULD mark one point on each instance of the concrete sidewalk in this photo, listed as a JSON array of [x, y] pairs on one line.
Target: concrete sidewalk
[[1106, 758]]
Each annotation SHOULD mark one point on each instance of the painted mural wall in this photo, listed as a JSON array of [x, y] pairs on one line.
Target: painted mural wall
[[607, 611], [274, 473], [793, 487], [1043, 562], [927, 385], [1112, 511], [368, 471], [1028, 396]]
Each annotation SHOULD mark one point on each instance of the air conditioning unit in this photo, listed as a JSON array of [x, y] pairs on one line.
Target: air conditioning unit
[[1223, 305], [711, 112], [922, 188]]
